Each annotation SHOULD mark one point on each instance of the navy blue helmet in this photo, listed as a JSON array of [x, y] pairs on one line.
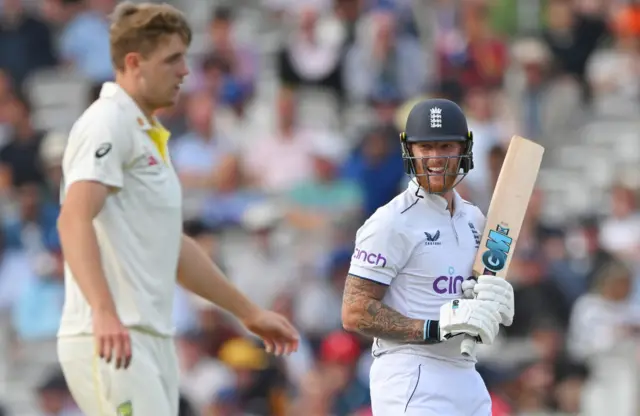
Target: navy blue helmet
[[437, 120]]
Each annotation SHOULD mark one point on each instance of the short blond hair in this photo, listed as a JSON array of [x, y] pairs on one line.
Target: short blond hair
[[140, 27]]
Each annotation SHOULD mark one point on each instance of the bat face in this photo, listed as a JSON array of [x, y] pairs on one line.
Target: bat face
[[508, 207]]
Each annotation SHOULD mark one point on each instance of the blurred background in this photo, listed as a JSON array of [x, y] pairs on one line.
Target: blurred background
[[286, 139]]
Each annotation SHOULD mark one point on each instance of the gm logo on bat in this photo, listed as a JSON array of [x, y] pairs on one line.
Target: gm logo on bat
[[498, 248]]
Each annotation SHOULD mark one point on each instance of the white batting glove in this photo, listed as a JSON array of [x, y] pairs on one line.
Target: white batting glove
[[496, 289], [467, 287], [470, 316]]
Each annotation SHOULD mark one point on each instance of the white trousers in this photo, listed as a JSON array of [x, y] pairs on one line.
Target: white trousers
[[148, 387], [403, 384]]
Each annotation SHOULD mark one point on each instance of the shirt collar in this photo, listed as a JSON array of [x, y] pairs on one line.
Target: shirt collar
[[115, 92], [438, 202]]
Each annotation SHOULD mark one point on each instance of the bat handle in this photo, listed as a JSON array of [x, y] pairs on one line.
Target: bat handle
[[468, 345]]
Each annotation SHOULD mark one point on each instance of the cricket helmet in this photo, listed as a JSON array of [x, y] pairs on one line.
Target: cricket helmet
[[437, 120]]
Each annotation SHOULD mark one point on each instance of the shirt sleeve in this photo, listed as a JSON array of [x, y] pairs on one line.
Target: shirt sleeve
[[97, 151], [381, 251]]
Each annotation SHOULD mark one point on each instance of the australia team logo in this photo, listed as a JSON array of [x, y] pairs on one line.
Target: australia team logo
[[125, 409]]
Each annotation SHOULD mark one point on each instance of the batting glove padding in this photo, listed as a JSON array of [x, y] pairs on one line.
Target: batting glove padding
[[478, 318], [496, 289], [467, 287]]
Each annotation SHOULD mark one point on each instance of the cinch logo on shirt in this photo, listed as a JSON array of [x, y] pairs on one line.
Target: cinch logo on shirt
[[448, 284], [371, 258]]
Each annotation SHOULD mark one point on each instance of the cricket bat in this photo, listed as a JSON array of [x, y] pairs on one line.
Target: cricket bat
[[506, 213]]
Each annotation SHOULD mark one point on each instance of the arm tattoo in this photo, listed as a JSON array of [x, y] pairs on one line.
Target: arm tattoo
[[374, 319]]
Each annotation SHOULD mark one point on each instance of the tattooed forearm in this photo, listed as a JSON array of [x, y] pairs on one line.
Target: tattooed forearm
[[363, 312], [383, 322]]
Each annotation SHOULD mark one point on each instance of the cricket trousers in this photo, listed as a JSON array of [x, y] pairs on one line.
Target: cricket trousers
[[150, 386], [412, 385]]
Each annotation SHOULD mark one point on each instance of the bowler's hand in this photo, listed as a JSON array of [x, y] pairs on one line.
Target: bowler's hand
[[277, 333], [112, 338]]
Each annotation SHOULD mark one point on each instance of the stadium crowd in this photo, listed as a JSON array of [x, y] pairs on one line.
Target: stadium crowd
[[283, 154]]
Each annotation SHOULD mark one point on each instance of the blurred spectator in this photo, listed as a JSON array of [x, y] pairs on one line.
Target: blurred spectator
[[583, 245], [38, 306], [316, 307], [325, 198], [534, 228], [620, 233], [6, 91], [349, 11], [530, 100], [39, 292], [33, 226], [84, 41], [314, 396], [15, 270], [186, 306], [201, 377], [569, 277], [472, 55], [520, 389], [382, 57], [604, 332], [384, 102], [278, 162], [265, 267], [569, 379], [313, 53], [376, 165], [496, 159], [20, 158], [487, 133], [613, 72], [259, 388], [573, 32], [26, 42], [537, 296], [54, 398], [238, 61], [51, 153], [207, 163], [339, 353]]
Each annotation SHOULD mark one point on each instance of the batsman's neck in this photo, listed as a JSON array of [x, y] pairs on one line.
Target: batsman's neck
[[130, 85]]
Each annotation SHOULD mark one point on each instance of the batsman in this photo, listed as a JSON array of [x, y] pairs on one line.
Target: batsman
[[410, 285]]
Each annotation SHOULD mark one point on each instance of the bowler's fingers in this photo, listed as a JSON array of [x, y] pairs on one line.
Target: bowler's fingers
[[105, 348], [123, 350], [128, 353], [268, 345], [116, 347], [289, 337]]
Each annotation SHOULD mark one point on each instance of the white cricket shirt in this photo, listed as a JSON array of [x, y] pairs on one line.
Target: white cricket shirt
[[139, 229], [423, 253]]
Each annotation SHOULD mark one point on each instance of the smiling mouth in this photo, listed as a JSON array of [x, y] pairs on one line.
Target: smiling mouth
[[435, 170]]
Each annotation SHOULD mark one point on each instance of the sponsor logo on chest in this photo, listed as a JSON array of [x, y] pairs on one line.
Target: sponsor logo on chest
[[432, 239]]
